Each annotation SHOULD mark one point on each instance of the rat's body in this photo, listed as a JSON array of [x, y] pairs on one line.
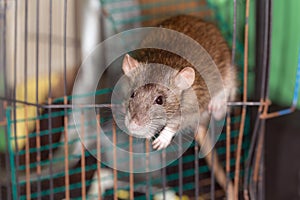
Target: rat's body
[[155, 108]]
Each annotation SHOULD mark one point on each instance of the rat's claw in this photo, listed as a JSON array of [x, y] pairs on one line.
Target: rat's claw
[[160, 147], [155, 143], [160, 143]]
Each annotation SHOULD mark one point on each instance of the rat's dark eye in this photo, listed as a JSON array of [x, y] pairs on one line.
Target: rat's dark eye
[[159, 100], [132, 95]]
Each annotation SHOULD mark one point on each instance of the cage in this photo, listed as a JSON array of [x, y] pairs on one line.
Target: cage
[[46, 154]]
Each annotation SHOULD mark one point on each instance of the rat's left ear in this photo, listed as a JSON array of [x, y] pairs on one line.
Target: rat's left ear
[[129, 63], [185, 78]]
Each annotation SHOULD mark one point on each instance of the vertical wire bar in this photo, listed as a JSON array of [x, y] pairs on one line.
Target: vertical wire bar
[[258, 157], [261, 89], [262, 61], [267, 66], [14, 95], [82, 135], [102, 23], [261, 185], [233, 49], [196, 163], [228, 117], [65, 47], [265, 79], [164, 174], [4, 49], [180, 166], [243, 115], [66, 145], [8, 167], [269, 13], [7, 163], [147, 170], [251, 189], [115, 161], [27, 148], [238, 153], [131, 181], [50, 102], [212, 172], [98, 153], [27, 154], [66, 148], [266, 51], [3, 70], [37, 121], [102, 33], [228, 131], [38, 157], [12, 159], [250, 154]]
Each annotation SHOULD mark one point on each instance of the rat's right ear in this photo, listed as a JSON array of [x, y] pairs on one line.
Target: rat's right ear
[[185, 78], [129, 63]]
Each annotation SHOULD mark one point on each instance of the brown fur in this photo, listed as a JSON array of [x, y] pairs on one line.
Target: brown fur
[[210, 38]]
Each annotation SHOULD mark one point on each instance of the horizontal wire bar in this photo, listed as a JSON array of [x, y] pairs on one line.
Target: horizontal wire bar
[[239, 103]]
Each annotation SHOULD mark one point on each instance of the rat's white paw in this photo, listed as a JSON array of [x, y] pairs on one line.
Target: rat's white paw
[[164, 139], [217, 106]]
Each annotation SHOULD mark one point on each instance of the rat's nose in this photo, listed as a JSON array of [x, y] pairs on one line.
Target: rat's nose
[[135, 125]]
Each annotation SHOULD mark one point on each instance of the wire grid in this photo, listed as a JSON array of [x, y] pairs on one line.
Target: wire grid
[[35, 188], [172, 177]]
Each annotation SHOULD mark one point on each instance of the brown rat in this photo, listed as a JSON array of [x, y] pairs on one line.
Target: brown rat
[[159, 105]]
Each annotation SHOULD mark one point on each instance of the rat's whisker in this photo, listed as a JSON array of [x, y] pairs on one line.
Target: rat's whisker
[[156, 119], [178, 146], [120, 118], [123, 128], [119, 95], [120, 114], [153, 126], [187, 137], [173, 147]]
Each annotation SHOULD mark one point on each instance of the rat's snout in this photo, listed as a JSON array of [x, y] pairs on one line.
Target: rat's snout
[[135, 125]]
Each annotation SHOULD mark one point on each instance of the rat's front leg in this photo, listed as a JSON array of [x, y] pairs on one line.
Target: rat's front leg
[[218, 105], [164, 138]]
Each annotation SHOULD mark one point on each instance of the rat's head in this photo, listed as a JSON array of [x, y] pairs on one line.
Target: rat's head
[[152, 105]]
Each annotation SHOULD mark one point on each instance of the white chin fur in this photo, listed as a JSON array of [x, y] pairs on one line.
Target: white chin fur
[[126, 121], [140, 134], [143, 133]]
